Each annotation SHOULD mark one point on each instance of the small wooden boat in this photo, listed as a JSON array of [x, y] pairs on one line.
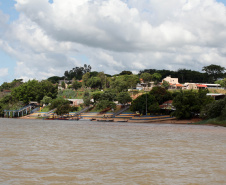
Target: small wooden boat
[[105, 120]]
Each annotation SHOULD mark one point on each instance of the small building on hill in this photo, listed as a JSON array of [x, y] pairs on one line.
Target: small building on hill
[[75, 102], [216, 96], [167, 107], [66, 84], [213, 85], [201, 86], [172, 81], [190, 86]]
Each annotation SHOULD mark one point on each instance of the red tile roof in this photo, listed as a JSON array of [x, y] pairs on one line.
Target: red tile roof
[[179, 85], [200, 85]]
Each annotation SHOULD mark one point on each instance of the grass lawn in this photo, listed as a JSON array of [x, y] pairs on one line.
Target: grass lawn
[[212, 122], [45, 109], [94, 109], [221, 91]]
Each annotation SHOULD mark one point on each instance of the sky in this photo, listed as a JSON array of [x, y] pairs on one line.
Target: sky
[[43, 38]]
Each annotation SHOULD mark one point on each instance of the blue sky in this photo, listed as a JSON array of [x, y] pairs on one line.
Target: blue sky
[[115, 36], [7, 61], [7, 6], [222, 1]]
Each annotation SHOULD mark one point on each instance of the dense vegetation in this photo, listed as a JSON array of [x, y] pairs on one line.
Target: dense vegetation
[[13, 84], [210, 75], [106, 89], [21, 95], [34, 90], [189, 104]]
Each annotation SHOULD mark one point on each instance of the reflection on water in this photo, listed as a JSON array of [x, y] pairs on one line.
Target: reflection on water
[[67, 152]]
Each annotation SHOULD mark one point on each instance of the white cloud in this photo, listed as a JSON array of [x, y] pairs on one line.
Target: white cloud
[[115, 35], [3, 72], [114, 25]]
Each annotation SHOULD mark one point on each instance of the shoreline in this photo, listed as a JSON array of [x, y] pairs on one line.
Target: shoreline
[[172, 121]]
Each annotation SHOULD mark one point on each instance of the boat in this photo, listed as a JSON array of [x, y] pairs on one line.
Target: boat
[[105, 120]]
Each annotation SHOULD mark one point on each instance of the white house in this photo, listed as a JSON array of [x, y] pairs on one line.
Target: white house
[[171, 80]]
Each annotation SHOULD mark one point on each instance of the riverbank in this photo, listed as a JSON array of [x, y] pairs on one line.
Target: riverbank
[[169, 121], [215, 122], [194, 121]]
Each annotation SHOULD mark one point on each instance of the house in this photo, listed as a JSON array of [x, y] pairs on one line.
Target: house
[[216, 96], [171, 80], [145, 86], [212, 85], [167, 107], [179, 86], [174, 84], [190, 86], [201, 86], [67, 82], [75, 102]]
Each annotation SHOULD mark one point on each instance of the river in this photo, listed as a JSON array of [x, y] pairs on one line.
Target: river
[[93, 153]]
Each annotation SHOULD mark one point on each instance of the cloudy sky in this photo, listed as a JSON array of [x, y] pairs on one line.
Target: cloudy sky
[[43, 38]]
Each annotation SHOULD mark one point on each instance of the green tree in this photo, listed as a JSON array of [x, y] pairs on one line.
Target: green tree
[[124, 98], [214, 71], [190, 103], [154, 107], [165, 84], [214, 109], [13, 84], [86, 98], [103, 79], [146, 77], [5, 86], [55, 79], [126, 73], [1, 110], [109, 95], [76, 85], [46, 100], [63, 85], [183, 75], [58, 102], [161, 94], [94, 83], [85, 78], [34, 91], [131, 80], [124, 82], [77, 72], [97, 96], [61, 105], [105, 99], [156, 77], [6, 103], [221, 82], [143, 103], [93, 73], [184, 103], [103, 104], [63, 109], [223, 114], [118, 84]]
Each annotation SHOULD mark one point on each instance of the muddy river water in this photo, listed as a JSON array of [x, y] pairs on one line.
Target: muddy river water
[[80, 152]]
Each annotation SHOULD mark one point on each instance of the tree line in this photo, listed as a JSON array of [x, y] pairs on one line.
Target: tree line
[[187, 103], [210, 74], [100, 80]]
